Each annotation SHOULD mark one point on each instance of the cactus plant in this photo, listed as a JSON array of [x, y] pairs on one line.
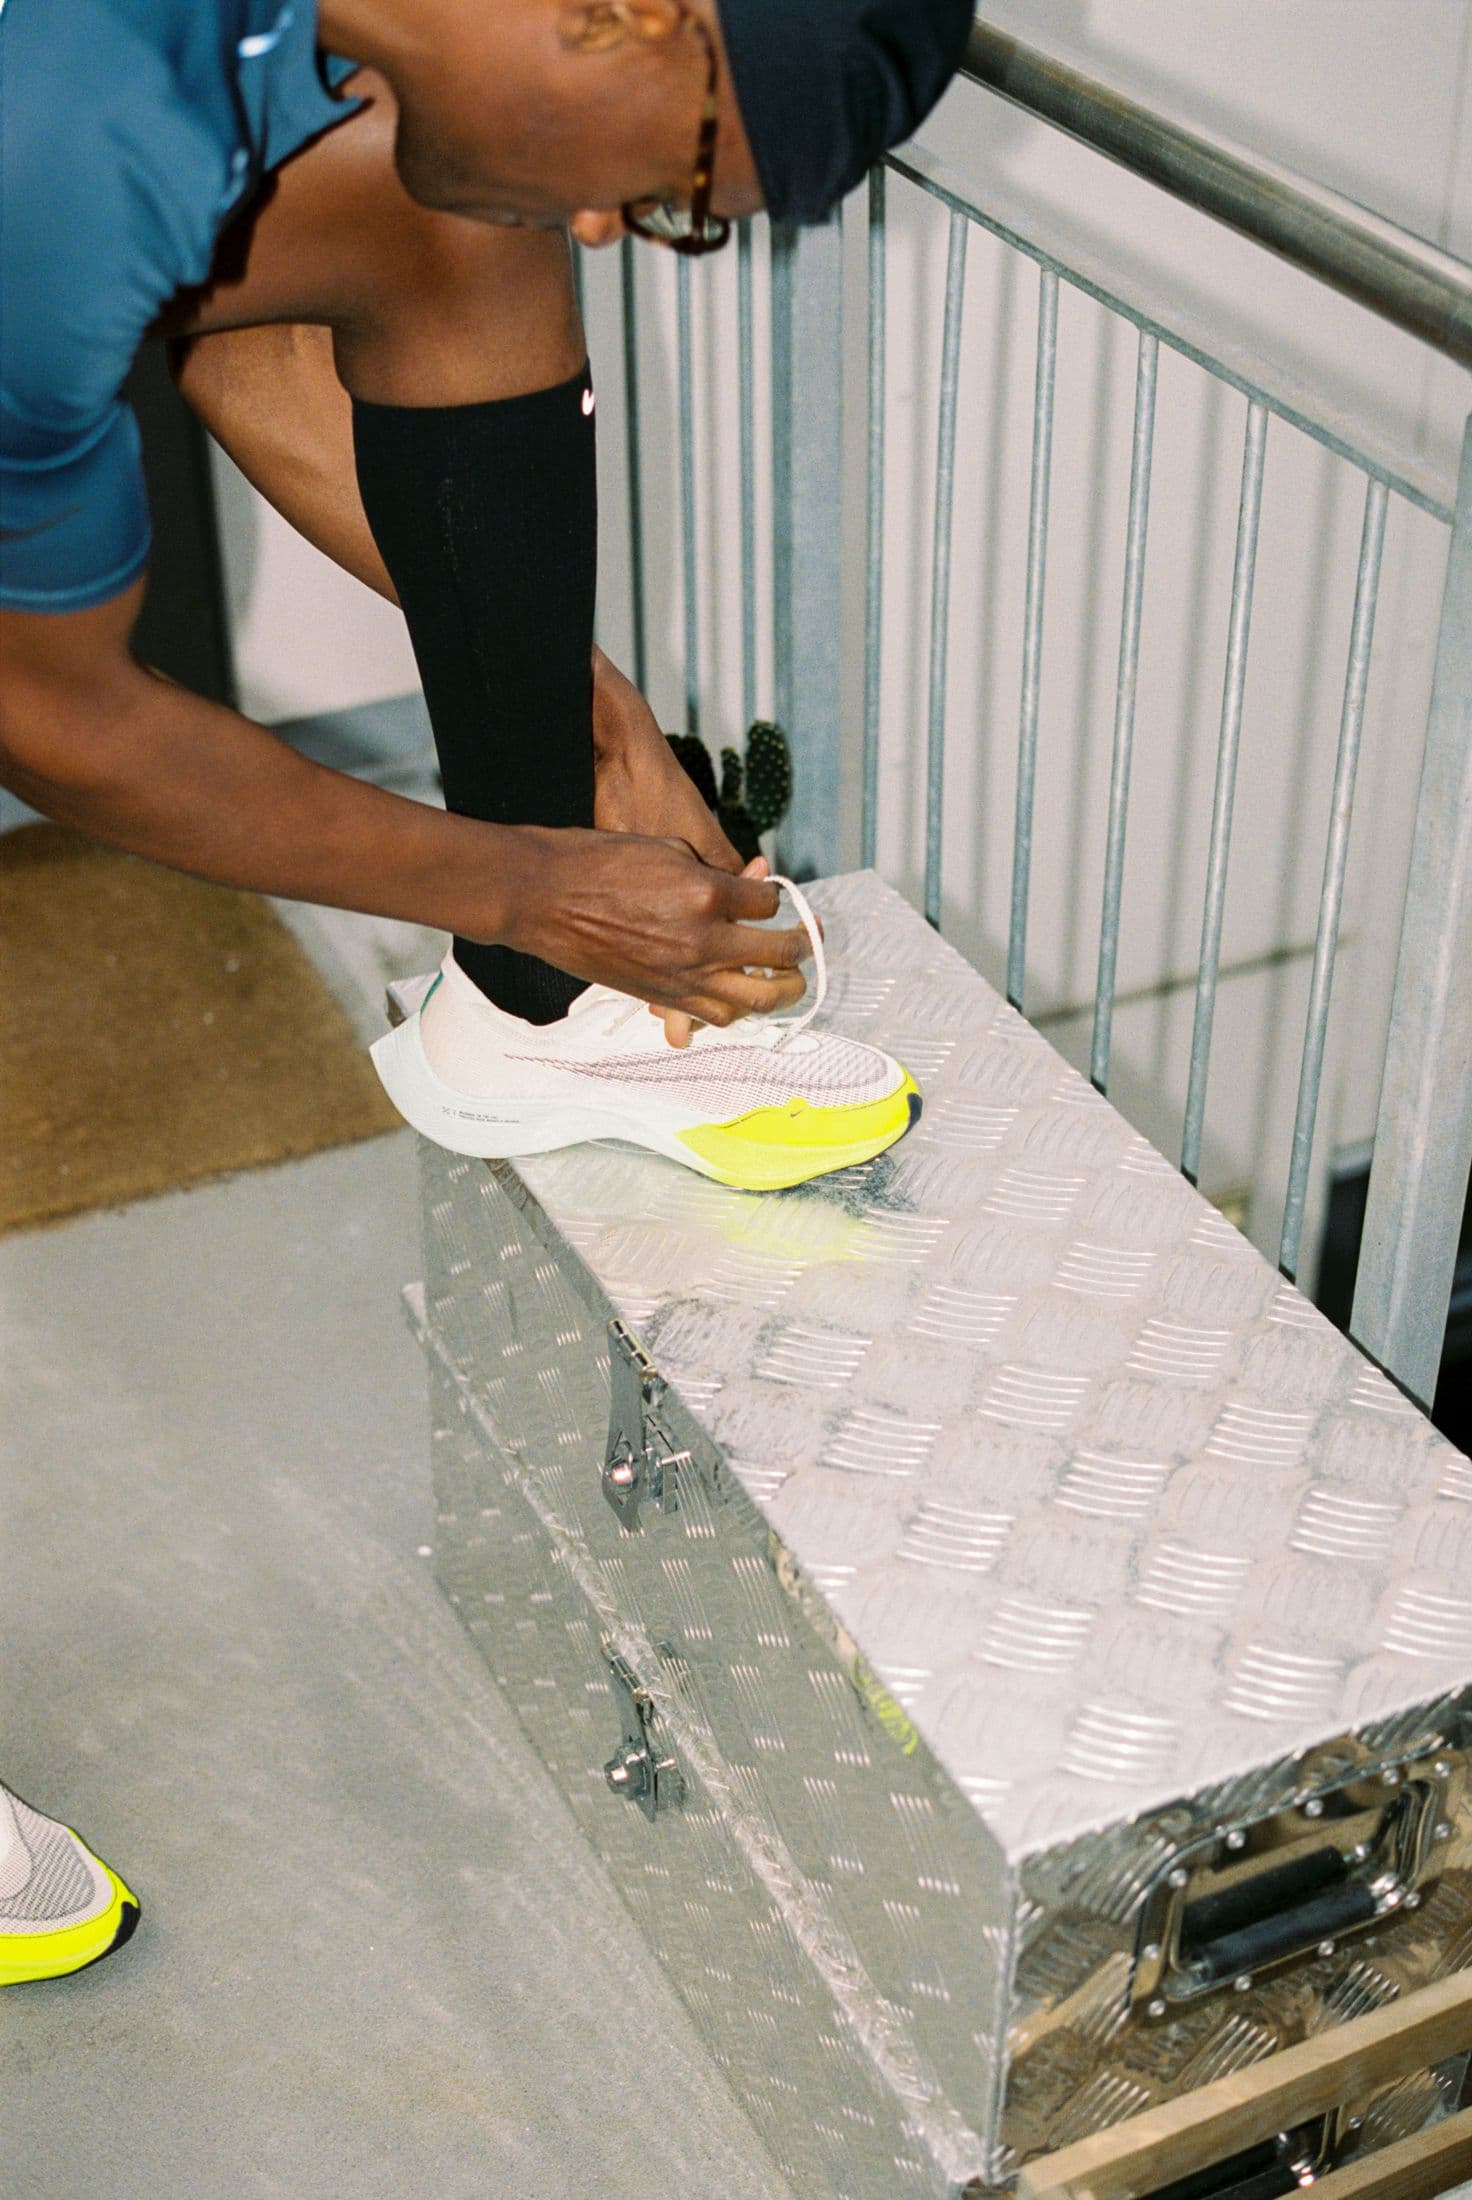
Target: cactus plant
[[768, 775], [754, 790]]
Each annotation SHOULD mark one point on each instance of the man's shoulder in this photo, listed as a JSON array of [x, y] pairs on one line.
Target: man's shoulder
[[168, 26], [110, 186]]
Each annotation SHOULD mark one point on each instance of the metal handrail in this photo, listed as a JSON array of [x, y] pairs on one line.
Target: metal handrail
[[1396, 274]]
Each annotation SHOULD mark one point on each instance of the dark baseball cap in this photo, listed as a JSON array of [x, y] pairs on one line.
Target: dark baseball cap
[[826, 86]]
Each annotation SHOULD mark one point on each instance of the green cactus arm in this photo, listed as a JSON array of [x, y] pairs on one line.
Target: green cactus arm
[[768, 775]]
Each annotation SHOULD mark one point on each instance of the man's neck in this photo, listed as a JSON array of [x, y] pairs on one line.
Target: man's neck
[[372, 31]]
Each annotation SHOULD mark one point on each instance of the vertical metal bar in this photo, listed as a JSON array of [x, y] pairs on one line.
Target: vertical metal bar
[[874, 560], [1249, 512], [1032, 629], [633, 463], [782, 248], [1336, 855], [1124, 703], [1423, 1137], [807, 536], [689, 563], [940, 569], [746, 351]]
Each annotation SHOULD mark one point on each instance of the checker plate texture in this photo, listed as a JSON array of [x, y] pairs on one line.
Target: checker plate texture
[[1034, 1528]]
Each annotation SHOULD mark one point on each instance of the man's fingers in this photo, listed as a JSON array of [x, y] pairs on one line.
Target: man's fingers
[[782, 950], [747, 899], [705, 1008], [735, 895], [758, 996], [729, 995]]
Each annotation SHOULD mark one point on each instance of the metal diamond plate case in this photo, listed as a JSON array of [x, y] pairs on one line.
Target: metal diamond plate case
[[1012, 1652]]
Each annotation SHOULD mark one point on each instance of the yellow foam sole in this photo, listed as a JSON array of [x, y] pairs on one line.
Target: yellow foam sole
[[26, 1957], [773, 1147]]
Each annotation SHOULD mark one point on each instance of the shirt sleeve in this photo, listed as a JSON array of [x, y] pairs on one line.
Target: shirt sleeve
[[74, 297], [74, 528]]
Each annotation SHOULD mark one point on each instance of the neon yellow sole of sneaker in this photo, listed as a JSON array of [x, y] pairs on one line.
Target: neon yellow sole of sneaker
[[774, 1147], [27, 1957]]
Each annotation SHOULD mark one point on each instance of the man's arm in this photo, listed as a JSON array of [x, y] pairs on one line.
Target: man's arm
[[90, 737]]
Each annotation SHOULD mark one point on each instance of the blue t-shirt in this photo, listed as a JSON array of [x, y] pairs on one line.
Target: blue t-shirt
[[130, 132]]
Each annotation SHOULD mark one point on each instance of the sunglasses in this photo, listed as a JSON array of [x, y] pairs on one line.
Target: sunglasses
[[691, 229]]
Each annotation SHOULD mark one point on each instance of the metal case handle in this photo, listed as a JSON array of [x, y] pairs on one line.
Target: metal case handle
[[1344, 1856], [1184, 2138]]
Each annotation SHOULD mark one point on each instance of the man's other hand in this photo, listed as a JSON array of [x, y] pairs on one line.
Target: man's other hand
[[640, 787]]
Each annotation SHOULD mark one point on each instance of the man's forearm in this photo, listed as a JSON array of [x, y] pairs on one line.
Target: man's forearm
[[147, 767], [93, 739]]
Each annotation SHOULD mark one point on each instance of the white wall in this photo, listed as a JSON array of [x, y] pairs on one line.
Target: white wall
[[306, 636]]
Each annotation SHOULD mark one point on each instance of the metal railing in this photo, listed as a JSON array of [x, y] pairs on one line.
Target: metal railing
[[1424, 1131], [1403, 277]]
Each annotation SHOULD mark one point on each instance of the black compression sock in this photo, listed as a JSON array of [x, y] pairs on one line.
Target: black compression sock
[[486, 517]]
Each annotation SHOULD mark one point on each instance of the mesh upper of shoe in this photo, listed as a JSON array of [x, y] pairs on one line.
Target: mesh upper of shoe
[[729, 1078], [611, 1039], [60, 1886]]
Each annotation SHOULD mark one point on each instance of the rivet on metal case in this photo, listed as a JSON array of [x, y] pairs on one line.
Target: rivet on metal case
[[641, 1768], [638, 1461], [1361, 1843]]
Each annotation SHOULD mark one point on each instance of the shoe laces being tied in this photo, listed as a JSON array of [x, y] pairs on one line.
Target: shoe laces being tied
[[778, 1031], [814, 931]]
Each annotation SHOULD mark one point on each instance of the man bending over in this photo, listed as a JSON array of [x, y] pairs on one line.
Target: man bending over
[[349, 222]]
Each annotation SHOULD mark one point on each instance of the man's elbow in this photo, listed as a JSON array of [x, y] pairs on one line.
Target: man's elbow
[[67, 682], [58, 786], [55, 749]]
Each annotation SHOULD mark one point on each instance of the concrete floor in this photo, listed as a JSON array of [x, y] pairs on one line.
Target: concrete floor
[[376, 1956]]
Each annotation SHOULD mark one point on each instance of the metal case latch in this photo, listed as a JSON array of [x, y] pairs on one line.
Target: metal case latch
[[641, 1768], [640, 1461]]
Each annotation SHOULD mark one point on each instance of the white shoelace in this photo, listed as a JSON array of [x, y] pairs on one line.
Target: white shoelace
[[811, 926]]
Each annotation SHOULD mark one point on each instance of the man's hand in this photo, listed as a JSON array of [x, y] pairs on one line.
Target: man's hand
[[649, 918], [640, 787]]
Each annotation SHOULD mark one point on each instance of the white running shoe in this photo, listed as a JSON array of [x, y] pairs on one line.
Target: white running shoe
[[761, 1104], [61, 1907]]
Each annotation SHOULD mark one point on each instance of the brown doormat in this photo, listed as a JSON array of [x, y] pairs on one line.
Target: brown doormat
[[156, 1031]]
